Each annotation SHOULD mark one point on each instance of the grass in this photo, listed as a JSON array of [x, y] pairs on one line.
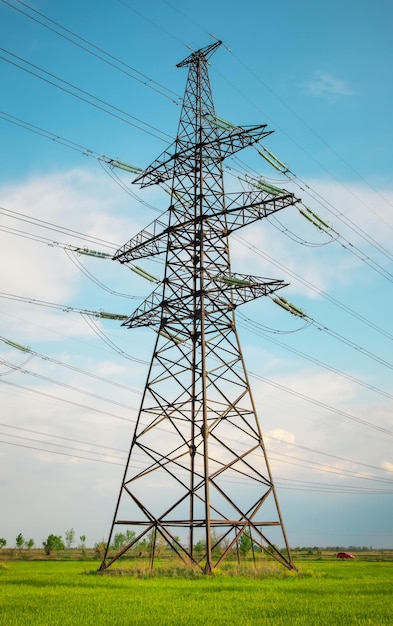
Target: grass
[[322, 592]]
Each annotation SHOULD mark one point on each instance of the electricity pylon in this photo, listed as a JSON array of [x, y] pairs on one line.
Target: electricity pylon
[[197, 470]]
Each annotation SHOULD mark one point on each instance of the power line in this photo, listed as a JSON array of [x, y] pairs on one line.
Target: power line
[[258, 329], [311, 286], [99, 103], [73, 368], [145, 80], [58, 398]]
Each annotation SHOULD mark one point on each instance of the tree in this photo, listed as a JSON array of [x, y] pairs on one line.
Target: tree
[[245, 544], [53, 542], [20, 540], [29, 544], [82, 539], [118, 541], [69, 537], [3, 542]]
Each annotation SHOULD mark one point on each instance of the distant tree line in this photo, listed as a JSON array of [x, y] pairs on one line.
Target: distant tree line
[[142, 547]]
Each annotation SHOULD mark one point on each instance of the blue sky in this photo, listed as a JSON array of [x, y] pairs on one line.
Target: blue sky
[[319, 75]]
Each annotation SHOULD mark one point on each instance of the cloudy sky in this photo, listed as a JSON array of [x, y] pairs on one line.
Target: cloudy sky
[[83, 83]]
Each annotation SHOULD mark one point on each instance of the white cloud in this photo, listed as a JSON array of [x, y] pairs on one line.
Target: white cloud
[[323, 84], [83, 201]]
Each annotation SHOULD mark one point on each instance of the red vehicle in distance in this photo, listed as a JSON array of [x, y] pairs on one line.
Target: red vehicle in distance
[[345, 555]]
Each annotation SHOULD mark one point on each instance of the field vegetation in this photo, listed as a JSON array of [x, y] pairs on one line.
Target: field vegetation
[[324, 590]]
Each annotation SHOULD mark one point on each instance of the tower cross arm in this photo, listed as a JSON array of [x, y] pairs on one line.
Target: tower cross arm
[[242, 288], [148, 242], [216, 145], [250, 206]]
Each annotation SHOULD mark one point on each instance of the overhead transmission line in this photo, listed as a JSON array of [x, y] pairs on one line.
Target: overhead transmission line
[[302, 315], [64, 400], [108, 448], [253, 374], [258, 181], [291, 483], [83, 95], [46, 358], [111, 60], [321, 404], [294, 113], [259, 330], [313, 287], [23, 370], [35, 221], [251, 325]]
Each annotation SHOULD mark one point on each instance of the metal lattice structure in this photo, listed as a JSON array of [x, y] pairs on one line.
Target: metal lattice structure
[[197, 470]]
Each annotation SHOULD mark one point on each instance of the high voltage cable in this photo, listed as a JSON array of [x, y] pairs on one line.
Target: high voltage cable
[[73, 456], [35, 221], [57, 398], [105, 162], [321, 404], [58, 445], [319, 326], [328, 470], [116, 110], [171, 95], [244, 242], [257, 329], [310, 285], [332, 456], [107, 448], [259, 377], [72, 440], [86, 314], [350, 223], [98, 314], [298, 484], [23, 370], [73, 368]]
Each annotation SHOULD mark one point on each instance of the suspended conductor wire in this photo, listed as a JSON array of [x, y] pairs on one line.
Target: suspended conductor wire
[[327, 454], [106, 163], [294, 310], [60, 445], [109, 170], [11, 368], [72, 255], [260, 330], [346, 220], [99, 104], [294, 237], [97, 330], [345, 243], [73, 368], [310, 285], [86, 315], [321, 404], [35, 221], [144, 80], [257, 326], [292, 460], [64, 400], [22, 370]]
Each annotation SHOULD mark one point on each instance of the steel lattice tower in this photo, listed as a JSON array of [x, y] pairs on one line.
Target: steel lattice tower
[[197, 469]]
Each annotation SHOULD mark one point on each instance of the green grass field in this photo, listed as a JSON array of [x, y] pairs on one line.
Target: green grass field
[[72, 593]]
